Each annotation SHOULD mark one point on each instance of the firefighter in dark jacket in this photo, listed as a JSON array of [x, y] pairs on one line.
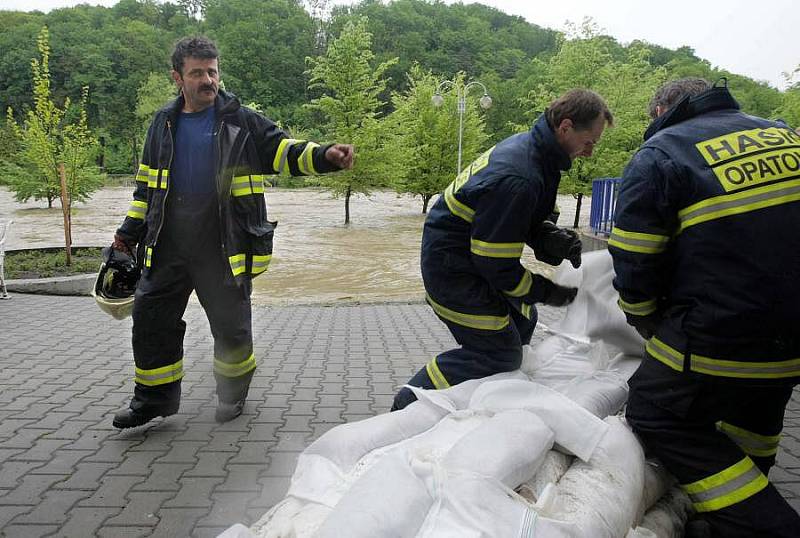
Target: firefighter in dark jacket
[[707, 258], [475, 233], [199, 220]]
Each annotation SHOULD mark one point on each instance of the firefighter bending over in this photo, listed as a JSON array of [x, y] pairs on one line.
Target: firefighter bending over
[[475, 233]]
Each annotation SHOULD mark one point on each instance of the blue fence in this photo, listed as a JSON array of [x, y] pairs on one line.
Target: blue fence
[[604, 200]]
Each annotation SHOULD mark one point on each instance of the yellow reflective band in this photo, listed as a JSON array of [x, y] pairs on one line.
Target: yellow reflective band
[[457, 208], [244, 185], [489, 323], [495, 250], [137, 210], [751, 443], [260, 264], [436, 375], [664, 353], [728, 487], [745, 369], [523, 287], [526, 310], [143, 173], [238, 263], [157, 178], [279, 162], [148, 256], [723, 367], [160, 376], [640, 242], [738, 203], [235, 369], [306, 161], [639, 309]]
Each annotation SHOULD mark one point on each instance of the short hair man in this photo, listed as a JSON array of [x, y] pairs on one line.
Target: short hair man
[[707, 261], [200, 221], [474, 237]]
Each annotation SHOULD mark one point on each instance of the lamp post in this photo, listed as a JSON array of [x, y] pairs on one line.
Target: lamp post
[[461, 95]]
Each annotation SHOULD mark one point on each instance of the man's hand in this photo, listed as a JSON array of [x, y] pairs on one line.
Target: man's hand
[[646, 326], [560, 295], [340, 155], [123, 246], [545, 291], [553, 245]]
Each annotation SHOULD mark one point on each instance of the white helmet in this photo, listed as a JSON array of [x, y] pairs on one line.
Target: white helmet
[[116, 283]]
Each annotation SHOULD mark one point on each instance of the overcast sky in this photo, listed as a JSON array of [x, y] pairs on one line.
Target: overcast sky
[[753, 39]]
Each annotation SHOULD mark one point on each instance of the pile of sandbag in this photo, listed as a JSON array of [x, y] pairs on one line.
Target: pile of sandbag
[[540, 452]]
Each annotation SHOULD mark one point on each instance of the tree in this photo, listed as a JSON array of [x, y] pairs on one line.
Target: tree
[[627, 84], [425, 145], [52, 139], [350, 89], [155, 92]]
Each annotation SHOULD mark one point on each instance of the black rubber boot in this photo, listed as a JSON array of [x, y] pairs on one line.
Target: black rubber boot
[[130, 418], [227, 411]]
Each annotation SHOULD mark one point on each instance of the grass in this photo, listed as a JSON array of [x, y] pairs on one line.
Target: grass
[[45, 264]]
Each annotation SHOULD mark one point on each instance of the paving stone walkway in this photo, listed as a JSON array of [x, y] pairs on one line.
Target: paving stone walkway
[[65, 368]]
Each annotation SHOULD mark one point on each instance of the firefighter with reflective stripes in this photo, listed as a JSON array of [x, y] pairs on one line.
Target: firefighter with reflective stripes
[[475, 234], [707, 259], [199, 219]]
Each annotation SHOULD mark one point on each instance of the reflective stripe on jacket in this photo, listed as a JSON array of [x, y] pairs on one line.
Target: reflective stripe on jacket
[[705, 236], [476, 231], [248, 148]]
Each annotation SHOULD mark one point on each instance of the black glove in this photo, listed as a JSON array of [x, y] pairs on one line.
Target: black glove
[[553, 294], [553, 245], [645, 325]]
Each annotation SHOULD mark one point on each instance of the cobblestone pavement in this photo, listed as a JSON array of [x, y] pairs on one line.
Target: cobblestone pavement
[[65, 368]]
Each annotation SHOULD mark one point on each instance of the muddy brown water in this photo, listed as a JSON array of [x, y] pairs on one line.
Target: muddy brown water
[[316, 258]]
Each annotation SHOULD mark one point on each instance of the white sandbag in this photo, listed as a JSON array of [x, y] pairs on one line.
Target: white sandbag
[[595, 313], [347, 443], [668, 517], [509, 447], [470, 506], [601, 496], [657, 481], [391, 499], [575, 428], [551, 470]]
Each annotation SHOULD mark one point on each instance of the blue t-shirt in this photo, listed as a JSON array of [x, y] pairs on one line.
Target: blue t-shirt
[[192, 169]]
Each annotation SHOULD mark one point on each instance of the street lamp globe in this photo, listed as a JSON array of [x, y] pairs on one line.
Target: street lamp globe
[[485, 101], [437, 100]]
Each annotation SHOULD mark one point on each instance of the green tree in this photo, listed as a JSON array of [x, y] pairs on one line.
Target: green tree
[[53, 138], [627, 81], [350, 101], [425, 144], [155, 92]]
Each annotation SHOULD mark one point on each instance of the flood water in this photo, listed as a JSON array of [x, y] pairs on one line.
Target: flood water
[[316, 258]]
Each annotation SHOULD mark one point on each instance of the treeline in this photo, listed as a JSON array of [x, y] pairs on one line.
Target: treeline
[[270, 47]]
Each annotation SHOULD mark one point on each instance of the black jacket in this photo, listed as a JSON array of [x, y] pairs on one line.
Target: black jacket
[[248, 146], [706, 240], [475, 233]]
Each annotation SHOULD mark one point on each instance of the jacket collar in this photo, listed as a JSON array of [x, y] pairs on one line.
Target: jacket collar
[[225, 103], [716, 98], [552, 151]]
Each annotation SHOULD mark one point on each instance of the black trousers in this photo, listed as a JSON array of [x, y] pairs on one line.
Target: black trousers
[[719, 438], [189, 258], [482, 353]]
